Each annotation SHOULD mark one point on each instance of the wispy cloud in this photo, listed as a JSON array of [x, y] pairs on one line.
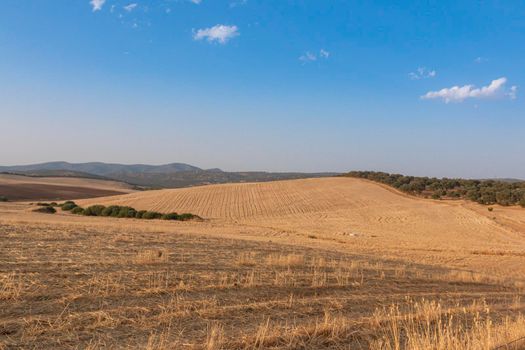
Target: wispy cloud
[[238, 3], [196, 2], [311, 57], [130, 7], [422, 73], [460, 93], [220, 33], [97, 4], [480, 59], [308, 57]]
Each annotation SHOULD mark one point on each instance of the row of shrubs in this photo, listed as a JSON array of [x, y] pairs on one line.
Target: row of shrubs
[[4, 199], [482, 191], [46, 209], [117, 211]]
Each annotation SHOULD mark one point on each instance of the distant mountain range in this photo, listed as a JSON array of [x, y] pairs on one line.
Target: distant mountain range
[[102, 169], [155, 176]]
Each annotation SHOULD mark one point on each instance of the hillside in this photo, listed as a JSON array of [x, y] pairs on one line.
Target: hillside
[[102, 169], [327, 263], [335, 207], [174, 175]]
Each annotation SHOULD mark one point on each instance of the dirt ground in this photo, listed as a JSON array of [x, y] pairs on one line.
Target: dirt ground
[[303, 264], [26, 188]]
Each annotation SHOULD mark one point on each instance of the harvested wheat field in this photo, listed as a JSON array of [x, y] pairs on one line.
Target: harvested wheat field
[[332, 263]]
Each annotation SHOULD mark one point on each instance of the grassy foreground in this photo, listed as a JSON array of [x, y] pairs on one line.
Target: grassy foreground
[[142, 286]]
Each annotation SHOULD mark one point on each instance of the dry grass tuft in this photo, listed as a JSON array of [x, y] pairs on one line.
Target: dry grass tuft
[[11, 286], [285, 260], [429, 325], [214, 337], [152, 256], [247, 259]]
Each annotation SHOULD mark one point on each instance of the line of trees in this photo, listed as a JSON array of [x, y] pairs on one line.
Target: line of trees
[[481, 191], [115, 211]]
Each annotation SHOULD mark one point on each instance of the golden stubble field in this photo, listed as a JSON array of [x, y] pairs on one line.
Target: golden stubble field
[[332, 263]]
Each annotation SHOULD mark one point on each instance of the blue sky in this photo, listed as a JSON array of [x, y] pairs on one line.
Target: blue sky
[[424, 88]]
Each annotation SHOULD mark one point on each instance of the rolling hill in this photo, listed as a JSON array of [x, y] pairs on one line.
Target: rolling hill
[[335, 207], [101, 169], [174, 175], [311, 262]]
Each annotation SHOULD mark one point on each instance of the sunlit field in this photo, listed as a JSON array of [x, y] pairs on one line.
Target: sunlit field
[[318, 272]]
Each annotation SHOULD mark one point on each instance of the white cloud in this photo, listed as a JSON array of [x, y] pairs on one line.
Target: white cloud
[[460, 93], [310, 57], [480, 60], [97, 4], [512, 92], [422, 73], [130, 7], [238, 3], [196, 2], [220, 33]]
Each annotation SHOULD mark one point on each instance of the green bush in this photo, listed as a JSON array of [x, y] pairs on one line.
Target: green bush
[[112, 211], [77, 210], [46, 210], [3, 199], [150, 215], [43, 204], [117, 211], [140, 214], [94, 210], [188, 216], [522, 202], [170, 216], [68, 206], [126, 212]]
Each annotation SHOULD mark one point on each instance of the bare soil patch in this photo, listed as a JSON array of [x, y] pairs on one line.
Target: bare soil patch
[[32, 192]]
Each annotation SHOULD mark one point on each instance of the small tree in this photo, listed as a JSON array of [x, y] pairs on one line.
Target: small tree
[[77, 211], [140, 214], [150, 215], [126, 212], [112, 210], [188, 216], [94, 210], [46, 210], [170, 216], [68, 206]]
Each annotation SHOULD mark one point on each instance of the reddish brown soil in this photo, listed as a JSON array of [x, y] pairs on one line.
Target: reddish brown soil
[[31, 191]]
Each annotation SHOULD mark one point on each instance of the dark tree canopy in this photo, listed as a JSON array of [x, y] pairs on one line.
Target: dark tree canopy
[[481, 191]]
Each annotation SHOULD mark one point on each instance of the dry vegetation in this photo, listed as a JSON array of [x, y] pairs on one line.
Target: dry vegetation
[[359, 267]]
